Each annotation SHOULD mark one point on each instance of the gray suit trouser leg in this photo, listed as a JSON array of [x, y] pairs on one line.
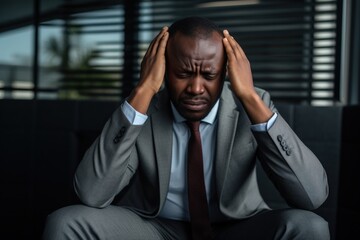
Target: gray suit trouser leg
[[284, 224], [82, 222], [110, 223]]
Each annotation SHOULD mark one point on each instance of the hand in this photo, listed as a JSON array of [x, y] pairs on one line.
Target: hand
[[153, 64], [239, 70], [151, 74]]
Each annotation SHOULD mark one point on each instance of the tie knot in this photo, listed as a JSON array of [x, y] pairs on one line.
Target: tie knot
[[194, 126]]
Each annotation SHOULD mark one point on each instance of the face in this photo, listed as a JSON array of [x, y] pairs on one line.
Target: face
[[195, 73]]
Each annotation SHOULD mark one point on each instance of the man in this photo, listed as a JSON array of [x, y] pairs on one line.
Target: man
[[136, 182]]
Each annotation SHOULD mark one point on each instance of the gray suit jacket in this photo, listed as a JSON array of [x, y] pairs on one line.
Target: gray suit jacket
[[130, 165]]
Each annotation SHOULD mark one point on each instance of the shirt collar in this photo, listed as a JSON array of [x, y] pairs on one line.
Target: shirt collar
[[210, 118]]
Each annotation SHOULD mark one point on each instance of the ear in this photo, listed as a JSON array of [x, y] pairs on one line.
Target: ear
[[166, 79], [166, 75], [225, 72]]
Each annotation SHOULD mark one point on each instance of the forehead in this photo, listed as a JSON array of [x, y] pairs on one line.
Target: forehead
[[195, 49]]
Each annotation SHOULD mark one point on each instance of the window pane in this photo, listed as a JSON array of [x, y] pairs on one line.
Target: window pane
[[290, 44], [81, 55], [16, 61]]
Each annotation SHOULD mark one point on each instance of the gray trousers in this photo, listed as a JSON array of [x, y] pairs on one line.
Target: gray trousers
[[113, 222]]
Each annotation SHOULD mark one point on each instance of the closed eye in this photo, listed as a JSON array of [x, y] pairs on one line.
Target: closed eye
[[209, 76], [183, 75]]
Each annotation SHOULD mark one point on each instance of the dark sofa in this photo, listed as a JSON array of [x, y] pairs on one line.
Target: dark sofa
[[41, 143]]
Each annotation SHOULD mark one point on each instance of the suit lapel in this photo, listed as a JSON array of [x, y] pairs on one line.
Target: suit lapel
[[228, 117], [161, 122]]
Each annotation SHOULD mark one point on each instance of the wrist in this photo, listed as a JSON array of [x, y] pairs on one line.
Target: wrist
[[256, 109], [248, 95], [140, 98]]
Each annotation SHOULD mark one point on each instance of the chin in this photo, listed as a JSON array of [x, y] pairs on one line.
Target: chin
[[194, 116]]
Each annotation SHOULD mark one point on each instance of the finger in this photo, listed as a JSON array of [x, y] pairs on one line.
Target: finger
[[234, 45], [151, 45], [229, 50], [241, 51], [162, 45], [157, 39]]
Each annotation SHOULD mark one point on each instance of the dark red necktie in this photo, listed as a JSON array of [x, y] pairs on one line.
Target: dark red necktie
[[198, 206]]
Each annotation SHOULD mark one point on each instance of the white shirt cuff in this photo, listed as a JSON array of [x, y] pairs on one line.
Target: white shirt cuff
[[133, 116], [263, 127]]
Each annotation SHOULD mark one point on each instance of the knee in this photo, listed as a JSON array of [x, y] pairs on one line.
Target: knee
[[318, 227], [307, 225], [58, 224]]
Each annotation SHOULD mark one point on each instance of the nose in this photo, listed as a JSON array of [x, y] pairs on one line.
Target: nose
[[195, 85]]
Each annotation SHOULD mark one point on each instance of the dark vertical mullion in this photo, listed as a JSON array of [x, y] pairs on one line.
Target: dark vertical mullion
[[130, 35], [337, 71], [354, 76], [29, 163], [35, 70], [65, 58], [311, 51]]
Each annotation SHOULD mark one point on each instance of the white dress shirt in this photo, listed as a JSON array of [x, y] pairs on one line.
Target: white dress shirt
[[176, 204]]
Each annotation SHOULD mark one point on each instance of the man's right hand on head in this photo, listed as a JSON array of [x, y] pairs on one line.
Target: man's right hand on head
[[151, 74], [153, 64]]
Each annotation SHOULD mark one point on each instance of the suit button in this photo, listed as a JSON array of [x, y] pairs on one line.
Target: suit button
[[279, 138], [121, 132], [288, 152], [116, 139], [119, 135]]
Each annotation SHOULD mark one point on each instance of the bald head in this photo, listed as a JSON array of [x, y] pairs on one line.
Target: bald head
[[195, 27]]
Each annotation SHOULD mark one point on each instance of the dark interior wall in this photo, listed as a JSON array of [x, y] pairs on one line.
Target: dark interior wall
[[41, 143], [16, 151], [349, 193]]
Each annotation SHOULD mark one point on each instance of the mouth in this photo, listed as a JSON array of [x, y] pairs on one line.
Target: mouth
[[194, 105]]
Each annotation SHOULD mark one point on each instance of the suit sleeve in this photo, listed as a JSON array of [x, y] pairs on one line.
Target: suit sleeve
[[293, 168], [109, 164]]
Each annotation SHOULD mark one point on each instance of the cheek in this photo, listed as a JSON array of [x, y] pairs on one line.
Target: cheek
[[214, 89], [176, 88]]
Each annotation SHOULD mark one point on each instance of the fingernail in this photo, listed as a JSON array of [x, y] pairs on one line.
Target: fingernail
[[226, 31]]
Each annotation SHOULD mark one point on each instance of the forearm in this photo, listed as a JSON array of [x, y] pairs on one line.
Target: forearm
[[108, 165], [292, 166]]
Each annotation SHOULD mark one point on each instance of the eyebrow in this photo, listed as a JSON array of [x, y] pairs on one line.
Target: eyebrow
[[190, 70]]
